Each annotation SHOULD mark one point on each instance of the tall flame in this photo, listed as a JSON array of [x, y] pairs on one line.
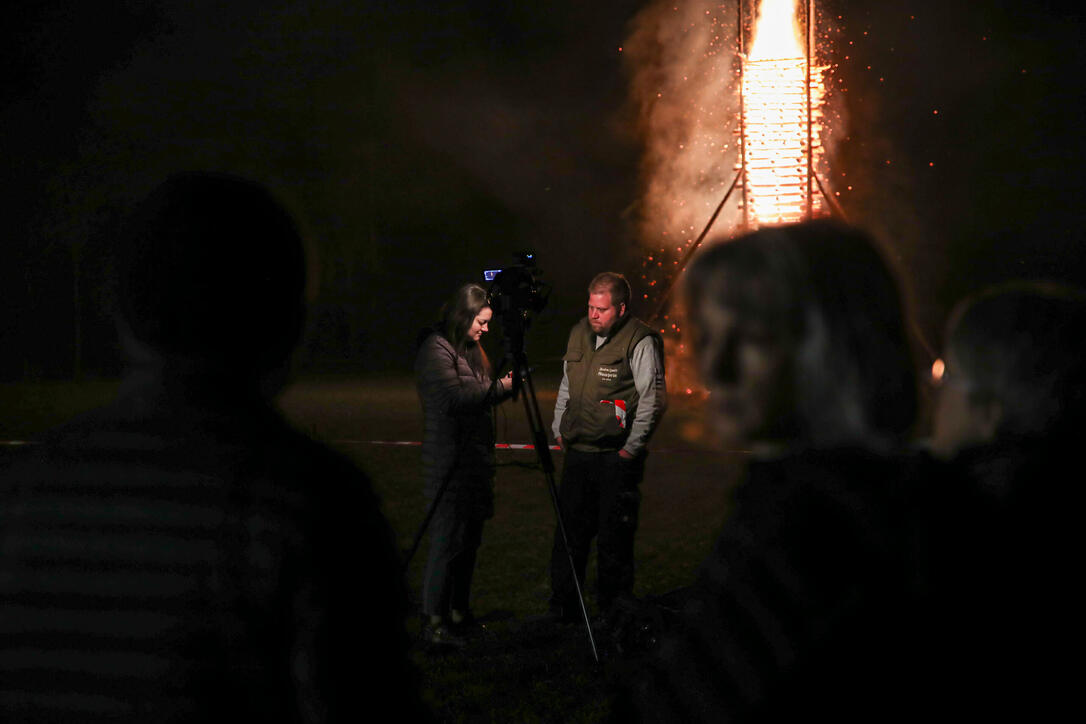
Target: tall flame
[[776, 34], [781, 119]]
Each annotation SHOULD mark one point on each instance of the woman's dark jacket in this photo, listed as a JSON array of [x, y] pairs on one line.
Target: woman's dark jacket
[[458, 432]]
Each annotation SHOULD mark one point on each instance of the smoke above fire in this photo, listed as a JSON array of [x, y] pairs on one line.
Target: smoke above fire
[[685, 75]]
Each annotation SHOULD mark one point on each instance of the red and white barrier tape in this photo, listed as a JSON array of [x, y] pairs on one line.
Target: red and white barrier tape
[[497, 446], [416, 443], [408, 443]]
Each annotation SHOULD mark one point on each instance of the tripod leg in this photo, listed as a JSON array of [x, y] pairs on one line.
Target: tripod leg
[[429, 515], [543, 452]]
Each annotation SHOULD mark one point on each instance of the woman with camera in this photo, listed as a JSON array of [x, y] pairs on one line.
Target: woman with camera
[[457, 392]]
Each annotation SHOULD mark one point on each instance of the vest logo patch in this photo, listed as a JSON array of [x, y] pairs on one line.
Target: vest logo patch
[[607, 374]]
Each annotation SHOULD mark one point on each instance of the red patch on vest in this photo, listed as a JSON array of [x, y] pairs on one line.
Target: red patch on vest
[[620, 411]]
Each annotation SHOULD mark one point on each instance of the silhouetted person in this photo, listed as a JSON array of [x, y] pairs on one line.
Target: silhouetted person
[[1010, 415], [182, 554], [801, 609], [1015, 368]]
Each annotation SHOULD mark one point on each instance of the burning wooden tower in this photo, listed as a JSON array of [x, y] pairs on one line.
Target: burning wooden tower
[[780, 125], [781, 101]]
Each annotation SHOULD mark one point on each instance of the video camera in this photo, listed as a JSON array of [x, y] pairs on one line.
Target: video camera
[[516, 291]]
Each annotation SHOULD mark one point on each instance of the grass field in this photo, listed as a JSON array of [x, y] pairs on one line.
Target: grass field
[[518, 671]]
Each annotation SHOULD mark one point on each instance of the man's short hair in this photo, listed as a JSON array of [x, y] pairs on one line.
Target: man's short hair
[[1023, 345], [614, 283]]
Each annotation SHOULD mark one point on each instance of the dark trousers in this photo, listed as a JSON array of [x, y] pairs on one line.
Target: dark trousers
[[599, 498], [454, 541]]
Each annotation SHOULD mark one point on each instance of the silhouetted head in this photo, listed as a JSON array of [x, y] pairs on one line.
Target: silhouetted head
[[800, 338], [465, 319], [608, 301], [211, 270], [1015, 366]]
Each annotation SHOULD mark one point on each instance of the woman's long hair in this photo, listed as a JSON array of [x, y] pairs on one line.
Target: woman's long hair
[[827, 283], [457, 316]]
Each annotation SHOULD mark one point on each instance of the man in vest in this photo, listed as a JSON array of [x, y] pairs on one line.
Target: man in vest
[[610, 401]]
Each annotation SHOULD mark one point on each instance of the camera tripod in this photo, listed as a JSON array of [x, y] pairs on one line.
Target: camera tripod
[[522, 386]]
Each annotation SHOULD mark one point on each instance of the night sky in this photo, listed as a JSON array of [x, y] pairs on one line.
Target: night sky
[[420, 142]]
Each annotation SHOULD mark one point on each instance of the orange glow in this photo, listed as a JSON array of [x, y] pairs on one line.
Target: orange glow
[[938, 369], [775, 119]]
